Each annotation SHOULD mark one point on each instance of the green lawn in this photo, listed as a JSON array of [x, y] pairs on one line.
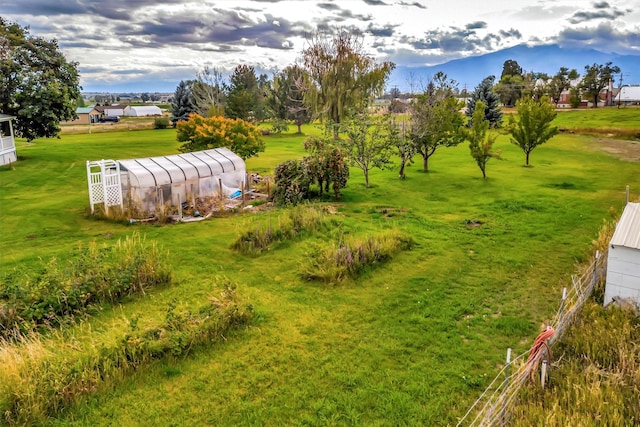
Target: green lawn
[[625, 119], [411, 342]]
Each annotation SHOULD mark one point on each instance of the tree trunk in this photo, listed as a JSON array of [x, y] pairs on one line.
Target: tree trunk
[[484, 175], [366, 178], [526, 162], [299, 128], [401, 173], [425, 163]]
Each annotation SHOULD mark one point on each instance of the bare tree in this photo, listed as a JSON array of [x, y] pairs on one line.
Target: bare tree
[[208, 92]]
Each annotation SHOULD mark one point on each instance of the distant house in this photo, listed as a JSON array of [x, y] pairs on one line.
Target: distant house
[[142, 111], [607, 96], [86, 115], [628, 95], [7, 143]]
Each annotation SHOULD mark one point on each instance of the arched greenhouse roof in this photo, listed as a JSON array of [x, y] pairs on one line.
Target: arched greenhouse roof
[[176, 168]]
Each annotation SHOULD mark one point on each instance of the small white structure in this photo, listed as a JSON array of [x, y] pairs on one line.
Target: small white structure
[[7, 144], [148, 183], [623, 264], [628, 95], [142, 111], [104, 184]]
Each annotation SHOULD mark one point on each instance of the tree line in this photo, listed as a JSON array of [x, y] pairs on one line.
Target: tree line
[[515, 83], [335, 83]]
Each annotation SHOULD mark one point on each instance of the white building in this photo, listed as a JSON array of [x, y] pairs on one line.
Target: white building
[[623, 265], [628, 95], [7, 144], [142, 111]]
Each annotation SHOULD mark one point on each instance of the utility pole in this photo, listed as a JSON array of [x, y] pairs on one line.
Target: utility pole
[[620, 89]]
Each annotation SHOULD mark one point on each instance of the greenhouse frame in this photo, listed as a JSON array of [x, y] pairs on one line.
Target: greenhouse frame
[[147, 184]]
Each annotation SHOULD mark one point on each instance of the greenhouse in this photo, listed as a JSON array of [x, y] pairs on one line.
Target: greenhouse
[[147, 184]]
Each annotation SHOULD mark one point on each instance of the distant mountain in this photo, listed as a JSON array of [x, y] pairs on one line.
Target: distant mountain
[[468, 72]]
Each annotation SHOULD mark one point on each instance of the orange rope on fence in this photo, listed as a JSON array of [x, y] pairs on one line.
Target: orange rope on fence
[[541, 340]]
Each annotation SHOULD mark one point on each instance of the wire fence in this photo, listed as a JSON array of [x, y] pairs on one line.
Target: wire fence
[[493, 406]]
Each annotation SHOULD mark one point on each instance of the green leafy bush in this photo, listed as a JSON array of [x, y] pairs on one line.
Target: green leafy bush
[[94, 275], [292, 183], [161, 123]]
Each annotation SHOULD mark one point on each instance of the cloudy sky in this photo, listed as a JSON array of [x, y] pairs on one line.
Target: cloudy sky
[[153, 44]]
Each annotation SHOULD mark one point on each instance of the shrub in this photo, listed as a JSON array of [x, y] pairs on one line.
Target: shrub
[[161, 123], [292, 183], [351, 258], [94, 275]]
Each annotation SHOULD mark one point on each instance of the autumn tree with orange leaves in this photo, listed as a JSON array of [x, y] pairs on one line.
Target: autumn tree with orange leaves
[[203, 133]]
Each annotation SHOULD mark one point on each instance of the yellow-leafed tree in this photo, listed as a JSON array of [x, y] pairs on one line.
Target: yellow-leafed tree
[[203, 133]]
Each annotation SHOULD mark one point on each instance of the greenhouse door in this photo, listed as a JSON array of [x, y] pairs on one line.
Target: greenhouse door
[[104, 184]]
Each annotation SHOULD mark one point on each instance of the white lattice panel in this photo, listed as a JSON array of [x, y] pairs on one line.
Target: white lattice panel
[[104, 185]]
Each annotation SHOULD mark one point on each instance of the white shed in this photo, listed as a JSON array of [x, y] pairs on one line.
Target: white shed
[[7, 144], [623, 264], [148, 183], [144, 110]]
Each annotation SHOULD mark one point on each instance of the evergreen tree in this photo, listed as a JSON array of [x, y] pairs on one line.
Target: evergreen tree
[[490, 99], [244, 97], [183, 103]]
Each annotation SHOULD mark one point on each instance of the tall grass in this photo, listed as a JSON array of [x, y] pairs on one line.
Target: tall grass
[[95, 274], [595, 380], [294, 223], [351, 257], [40, 377]]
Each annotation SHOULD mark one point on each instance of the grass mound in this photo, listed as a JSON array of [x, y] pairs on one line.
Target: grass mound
[[55, 293], [40, 377]]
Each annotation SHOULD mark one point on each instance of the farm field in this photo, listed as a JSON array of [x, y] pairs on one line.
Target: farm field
[[413, 341]]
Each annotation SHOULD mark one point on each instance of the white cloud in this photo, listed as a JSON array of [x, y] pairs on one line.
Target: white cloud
[[152, 38]]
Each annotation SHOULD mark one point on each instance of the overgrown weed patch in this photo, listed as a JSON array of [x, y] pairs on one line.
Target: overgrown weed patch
[[40, 377], [54, 293]]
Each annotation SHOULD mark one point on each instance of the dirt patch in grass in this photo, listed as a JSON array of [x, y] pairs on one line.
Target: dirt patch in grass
[[621, 149]]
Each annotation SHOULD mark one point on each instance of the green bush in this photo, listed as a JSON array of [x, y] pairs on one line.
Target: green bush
[[94, 275], [161, 123], [292, 183]]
